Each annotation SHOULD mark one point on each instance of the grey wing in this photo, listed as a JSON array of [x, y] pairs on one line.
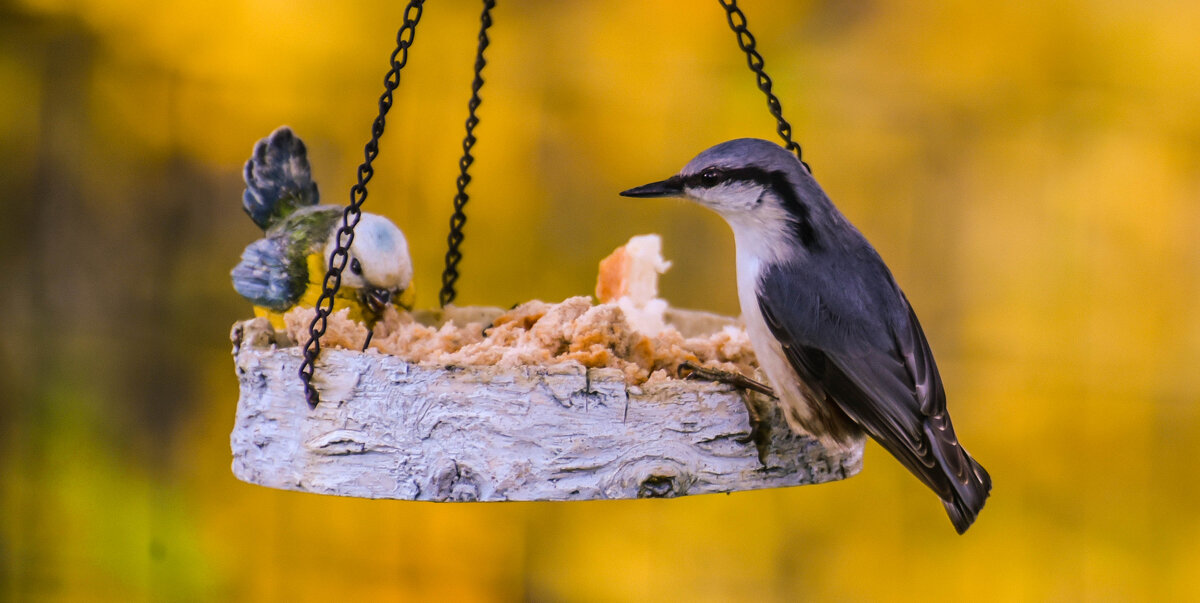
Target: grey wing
[[266, 276], [889, 385]]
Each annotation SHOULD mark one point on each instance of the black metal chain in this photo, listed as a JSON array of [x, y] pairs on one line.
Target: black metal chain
[[358, 195], [459, 218], [745, 40]]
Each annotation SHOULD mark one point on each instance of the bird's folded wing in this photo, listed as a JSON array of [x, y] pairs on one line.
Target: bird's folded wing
[[267, 277], [892, 391]]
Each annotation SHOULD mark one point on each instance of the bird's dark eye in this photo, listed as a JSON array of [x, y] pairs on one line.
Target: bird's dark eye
[[355, 267], [711, 177]]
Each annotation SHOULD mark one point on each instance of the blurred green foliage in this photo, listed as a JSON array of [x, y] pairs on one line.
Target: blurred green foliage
[[1031, 172]]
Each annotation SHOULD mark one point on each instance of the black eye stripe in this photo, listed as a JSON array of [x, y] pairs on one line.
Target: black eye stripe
[[701, 179], [776, 183], [714, 176]]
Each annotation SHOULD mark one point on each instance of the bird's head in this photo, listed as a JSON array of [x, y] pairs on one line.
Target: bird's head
[[379, 267], [756, 185]]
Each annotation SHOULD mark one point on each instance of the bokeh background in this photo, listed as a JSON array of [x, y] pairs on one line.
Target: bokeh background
[[1030, 172]]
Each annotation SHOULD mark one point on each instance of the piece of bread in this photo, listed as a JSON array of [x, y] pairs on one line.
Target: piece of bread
[[632, 271]]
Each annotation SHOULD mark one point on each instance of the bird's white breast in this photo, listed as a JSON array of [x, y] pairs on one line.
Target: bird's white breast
[[792, 394]]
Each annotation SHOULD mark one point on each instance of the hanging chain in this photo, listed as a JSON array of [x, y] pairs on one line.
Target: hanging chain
[[358, 195], [745, 40], [459, 218]]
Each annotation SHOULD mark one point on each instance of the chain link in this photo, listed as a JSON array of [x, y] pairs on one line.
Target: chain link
[[746, 41], [358, 195], [459, 218]]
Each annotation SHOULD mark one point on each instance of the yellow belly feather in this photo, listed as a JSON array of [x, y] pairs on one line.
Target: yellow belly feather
[[345, 298]]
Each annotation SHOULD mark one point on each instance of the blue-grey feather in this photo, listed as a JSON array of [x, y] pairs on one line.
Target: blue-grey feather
[[278, 178], [851, 335], [267, 277]]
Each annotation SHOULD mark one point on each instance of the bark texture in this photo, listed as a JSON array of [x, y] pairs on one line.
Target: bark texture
[[390, 429]]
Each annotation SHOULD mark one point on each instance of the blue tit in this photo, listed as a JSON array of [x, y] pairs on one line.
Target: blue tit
[[286, 267]]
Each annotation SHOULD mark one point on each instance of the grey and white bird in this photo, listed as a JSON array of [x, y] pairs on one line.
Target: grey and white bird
[[835, 335]]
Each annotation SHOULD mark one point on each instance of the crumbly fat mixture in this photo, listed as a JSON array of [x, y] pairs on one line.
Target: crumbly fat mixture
[[540, 333]]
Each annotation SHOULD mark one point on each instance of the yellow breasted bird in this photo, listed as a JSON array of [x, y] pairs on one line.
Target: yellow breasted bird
[[286, 267]]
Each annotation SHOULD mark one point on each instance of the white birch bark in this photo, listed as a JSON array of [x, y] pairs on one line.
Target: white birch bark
[[390, 429]]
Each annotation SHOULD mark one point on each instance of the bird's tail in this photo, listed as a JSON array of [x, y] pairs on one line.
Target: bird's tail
[[968, 501], [278, 178], [970, 482]]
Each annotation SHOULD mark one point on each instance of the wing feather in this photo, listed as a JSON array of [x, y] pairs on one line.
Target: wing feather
[[267, 277], [881, 374]]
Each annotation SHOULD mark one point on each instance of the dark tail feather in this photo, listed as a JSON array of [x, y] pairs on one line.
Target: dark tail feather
[[969, 494], [278, 178]]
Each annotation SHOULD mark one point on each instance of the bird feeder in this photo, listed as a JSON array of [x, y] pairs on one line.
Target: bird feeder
[[379, 425]]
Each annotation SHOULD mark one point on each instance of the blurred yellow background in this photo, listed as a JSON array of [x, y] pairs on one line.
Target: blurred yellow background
[[1031, 174]]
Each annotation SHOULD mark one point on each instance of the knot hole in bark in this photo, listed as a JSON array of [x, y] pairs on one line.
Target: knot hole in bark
[[659, 486], [456, 483], [664, 475]]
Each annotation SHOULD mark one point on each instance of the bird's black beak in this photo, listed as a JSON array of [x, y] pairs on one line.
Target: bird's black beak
[[377, 299], [671, 187]]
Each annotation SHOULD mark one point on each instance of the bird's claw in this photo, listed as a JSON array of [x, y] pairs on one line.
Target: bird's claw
[[738, 380], [760, 428], [756, 422]]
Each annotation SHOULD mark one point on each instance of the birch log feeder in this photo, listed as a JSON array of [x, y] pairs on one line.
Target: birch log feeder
[[387, 428]]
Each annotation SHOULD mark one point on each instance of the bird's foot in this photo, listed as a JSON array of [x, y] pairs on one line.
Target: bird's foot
[[760, 429], [367, 343], [738, 380]]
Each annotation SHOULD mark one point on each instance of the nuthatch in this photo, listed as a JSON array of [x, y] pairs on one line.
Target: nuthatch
[[287, 267], [832, 330]]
